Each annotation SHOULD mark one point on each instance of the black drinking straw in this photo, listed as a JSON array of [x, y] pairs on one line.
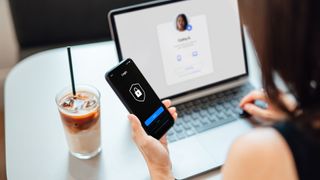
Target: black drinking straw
[[71, 71]]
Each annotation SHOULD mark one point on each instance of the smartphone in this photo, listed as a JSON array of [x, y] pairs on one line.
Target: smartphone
[[139, 98]]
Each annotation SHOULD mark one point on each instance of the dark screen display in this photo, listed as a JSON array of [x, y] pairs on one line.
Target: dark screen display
[[139, 98]]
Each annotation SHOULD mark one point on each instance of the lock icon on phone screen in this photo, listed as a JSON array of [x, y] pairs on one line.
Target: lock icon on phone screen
[[137, 92]]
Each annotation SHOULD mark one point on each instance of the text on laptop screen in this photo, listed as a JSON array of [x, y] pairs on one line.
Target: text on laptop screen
[[184, 45]]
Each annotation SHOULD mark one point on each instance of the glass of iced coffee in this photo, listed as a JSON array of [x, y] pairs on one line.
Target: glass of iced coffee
[[80, 115]]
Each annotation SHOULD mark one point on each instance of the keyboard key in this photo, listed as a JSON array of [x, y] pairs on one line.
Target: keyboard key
[[201, 129], [181, 114], [187, 119], [190, 132], [219, 108], [205, 120], [234, 103], [196, 109], [179, 122], [213, 119], [171, 138], [197, 102], [189, 104], [187, 111], [219, 95], [238, 110], [219, 115], [212, 97], [182, 107], [177, 128], [204, 113], [196, 123], [227, 105], [186, 125], [180, 135], [204, 100], [195, 115], [212, 110], [170, 132]]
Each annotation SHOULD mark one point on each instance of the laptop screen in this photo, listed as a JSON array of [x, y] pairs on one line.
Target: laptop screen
[[184, 45]]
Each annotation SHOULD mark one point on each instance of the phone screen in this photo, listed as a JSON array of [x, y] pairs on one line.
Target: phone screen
[[139, 98]]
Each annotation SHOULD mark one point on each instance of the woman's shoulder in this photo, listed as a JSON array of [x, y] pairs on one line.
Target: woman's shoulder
[[260, 154]]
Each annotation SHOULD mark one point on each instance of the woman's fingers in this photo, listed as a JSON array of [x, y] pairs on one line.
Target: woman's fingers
[[172, 110], [167, 103], [175, 116], [138, 133], [252, 96], [257, 111]]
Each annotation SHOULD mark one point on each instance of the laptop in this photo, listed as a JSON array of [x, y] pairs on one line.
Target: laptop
[[192, 52]]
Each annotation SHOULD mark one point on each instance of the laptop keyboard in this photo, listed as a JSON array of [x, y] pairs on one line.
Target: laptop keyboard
[[207, 112]]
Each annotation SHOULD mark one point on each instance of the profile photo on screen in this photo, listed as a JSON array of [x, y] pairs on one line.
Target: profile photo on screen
[[181, 22]]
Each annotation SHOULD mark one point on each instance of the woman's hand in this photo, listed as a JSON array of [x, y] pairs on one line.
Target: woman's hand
[[271, 113], [155, 152]]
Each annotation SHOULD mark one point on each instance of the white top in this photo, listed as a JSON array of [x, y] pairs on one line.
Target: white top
[[36, 147]]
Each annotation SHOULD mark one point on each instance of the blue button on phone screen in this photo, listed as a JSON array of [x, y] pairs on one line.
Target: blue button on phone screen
[[154, 116]]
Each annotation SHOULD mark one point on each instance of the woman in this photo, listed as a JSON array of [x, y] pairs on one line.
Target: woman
[[286, 34], [181, 22]]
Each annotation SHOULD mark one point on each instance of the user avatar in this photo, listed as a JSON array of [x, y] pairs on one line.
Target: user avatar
[[182, 22]]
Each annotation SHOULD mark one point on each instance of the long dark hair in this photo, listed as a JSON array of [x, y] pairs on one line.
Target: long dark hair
[[185, 19], [286, 34]]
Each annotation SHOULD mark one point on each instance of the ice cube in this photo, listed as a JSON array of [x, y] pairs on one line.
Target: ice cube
[[78, 105], [90, 103], [68, 102]]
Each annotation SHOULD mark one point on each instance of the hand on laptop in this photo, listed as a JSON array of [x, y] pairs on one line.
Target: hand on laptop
[[271, 112], [155, 152]]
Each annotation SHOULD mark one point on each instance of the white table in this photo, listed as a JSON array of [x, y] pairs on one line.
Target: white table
[[35, 143]]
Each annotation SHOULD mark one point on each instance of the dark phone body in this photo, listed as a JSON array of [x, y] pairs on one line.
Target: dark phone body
[[139, 98]]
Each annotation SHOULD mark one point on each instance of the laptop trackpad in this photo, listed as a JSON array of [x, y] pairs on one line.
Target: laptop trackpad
[[186, 163], [218, 141]]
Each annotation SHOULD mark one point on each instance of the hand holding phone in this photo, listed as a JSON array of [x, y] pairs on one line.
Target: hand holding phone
[[139, 98], [155, 153]]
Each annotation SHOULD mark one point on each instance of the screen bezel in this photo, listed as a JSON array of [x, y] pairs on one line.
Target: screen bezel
[[115, 37]]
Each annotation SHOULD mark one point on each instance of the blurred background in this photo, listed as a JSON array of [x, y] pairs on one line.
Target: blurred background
[[28, 27]]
